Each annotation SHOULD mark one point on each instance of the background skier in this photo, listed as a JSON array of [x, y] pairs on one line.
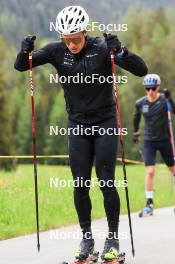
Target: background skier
[[153, 107]]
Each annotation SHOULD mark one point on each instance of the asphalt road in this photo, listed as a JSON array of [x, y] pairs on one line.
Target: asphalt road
[[154, 239]]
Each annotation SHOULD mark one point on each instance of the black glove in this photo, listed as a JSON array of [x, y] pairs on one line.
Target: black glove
[[113, 42], [135, 137], [27, 45], [167, 94]]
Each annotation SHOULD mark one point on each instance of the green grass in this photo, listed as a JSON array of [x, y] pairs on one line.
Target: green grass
[[17, 206]]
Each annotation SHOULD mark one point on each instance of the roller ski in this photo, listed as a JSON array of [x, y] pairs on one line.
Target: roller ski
[[110, 254], [85, 254], [147, 211]]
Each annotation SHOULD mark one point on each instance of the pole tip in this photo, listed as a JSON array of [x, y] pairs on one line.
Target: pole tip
[[38, 246]]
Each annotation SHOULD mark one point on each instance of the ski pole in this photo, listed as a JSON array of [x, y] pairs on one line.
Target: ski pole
[[31, 86], [115, 86], [168, 106]]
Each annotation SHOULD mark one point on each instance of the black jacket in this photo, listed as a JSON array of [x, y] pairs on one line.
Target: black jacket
[[85, 102]]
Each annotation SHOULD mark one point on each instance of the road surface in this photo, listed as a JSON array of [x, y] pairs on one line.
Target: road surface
[[154, 239]]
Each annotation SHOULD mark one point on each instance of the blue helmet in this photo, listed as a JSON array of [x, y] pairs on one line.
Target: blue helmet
[[151, 79]]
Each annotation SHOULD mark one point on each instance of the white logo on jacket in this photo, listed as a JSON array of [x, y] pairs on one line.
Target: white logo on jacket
[[145, 108], [91, 55]]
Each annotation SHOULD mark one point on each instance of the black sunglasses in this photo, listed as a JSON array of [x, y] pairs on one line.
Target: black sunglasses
[[151, 88]]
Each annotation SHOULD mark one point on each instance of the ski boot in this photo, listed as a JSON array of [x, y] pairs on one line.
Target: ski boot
[[111, 252], [85, 250], [147, 211]]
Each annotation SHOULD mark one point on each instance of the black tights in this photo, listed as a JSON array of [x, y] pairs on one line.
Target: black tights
[[82, 150]]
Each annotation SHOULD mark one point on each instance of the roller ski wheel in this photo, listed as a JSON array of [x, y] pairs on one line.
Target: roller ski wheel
[[93, 258], [119, 260], [147, 211]]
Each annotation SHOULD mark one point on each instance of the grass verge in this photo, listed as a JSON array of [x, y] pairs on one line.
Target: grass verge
[[56, 208]]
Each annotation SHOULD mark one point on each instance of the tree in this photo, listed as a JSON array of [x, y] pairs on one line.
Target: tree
[[6, 138], [152, 37], [23, 135], [57, 144]]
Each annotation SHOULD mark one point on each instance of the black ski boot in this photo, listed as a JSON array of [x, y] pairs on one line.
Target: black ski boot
[[111, 249], [86, 248]]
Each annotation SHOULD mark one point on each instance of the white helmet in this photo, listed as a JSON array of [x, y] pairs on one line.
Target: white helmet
[[71, 20], [151, 79]]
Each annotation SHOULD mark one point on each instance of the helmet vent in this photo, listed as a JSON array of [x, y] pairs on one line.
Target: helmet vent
[[76, 22], [62, 23], [70, 21]]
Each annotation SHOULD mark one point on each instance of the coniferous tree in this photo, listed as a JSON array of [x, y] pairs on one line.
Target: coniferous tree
[[57, 144], [6, 136]]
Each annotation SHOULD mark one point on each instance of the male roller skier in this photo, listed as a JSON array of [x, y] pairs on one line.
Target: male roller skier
[[153, 107], [88, 104]]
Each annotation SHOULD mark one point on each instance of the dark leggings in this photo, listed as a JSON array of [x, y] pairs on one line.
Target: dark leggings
[[82, 150]]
